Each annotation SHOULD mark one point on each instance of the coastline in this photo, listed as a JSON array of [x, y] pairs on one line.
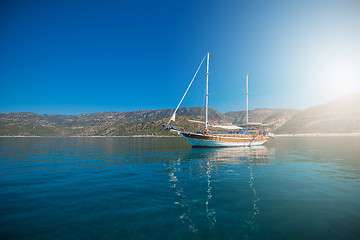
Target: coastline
[[135, 136], [318, 135], [175, 136]]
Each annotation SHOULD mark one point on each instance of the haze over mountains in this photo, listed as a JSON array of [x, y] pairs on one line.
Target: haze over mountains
[[339, 116]]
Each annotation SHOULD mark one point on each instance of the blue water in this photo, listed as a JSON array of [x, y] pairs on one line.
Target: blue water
[[160, 188]]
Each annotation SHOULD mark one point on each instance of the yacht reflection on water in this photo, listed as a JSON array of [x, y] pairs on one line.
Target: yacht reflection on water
[[198, 167]]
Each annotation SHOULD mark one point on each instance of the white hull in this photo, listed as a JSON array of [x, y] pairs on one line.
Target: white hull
[[209, 143]]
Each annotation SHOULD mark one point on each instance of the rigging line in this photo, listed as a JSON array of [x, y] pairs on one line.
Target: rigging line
[[173, 116]]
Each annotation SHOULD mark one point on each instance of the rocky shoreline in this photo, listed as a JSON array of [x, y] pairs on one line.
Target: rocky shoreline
[[135, 136], [159, 136], [318, 135]]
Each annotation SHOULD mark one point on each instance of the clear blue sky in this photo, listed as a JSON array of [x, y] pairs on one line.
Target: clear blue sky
[[71, 57]]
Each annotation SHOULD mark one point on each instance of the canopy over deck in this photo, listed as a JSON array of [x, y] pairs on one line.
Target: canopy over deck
[[249, 124], [228, 127]]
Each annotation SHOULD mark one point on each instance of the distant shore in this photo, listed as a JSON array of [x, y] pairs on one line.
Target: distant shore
[[159, 136], [318, 135], [135, 136]]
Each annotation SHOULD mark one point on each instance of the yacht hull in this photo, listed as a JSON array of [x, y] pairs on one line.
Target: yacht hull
[[201, 140]]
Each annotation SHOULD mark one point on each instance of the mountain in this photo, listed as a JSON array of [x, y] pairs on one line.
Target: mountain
[[147, 122], [339, 116], [99, 124], [273, 117]]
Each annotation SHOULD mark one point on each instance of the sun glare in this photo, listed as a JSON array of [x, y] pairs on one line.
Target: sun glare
[[334, 69], [339, 76]]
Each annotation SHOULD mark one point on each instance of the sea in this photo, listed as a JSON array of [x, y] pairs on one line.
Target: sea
[[161, 188]]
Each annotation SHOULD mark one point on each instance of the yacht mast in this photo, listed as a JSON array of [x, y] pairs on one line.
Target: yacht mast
[[207, 91], [247, 99]]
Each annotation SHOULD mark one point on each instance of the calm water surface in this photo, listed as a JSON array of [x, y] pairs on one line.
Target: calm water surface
[[160, 188]]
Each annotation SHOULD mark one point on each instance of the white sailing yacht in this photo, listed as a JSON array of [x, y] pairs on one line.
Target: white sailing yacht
[[248, 134]]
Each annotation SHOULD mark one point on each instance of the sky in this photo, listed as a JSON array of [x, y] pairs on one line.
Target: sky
[[73, 57]]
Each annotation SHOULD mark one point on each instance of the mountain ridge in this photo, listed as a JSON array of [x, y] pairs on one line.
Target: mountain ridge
[[339, 116]]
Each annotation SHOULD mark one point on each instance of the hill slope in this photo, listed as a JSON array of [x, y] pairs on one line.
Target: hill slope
[[273, 117], [99, 124], [339, 116], [146, 122]]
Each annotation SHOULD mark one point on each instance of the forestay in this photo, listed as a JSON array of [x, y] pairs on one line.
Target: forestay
[[174, 114]]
